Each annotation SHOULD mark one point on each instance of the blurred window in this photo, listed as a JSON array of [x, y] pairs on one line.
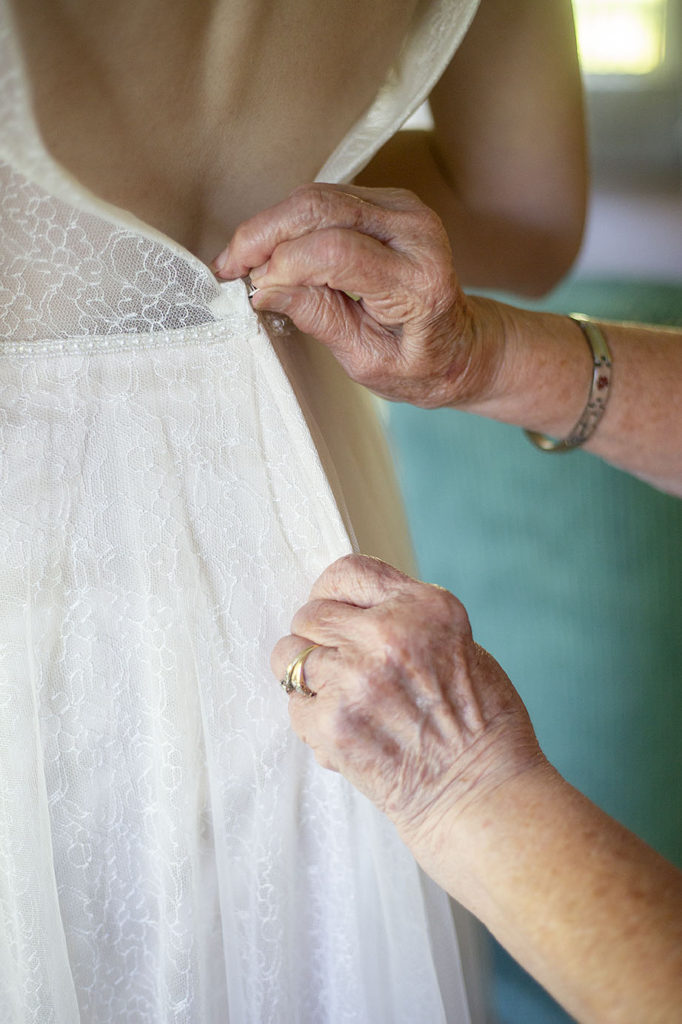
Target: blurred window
[[621, 37]]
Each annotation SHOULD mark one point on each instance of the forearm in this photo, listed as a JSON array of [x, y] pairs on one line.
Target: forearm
[[434, 734], [415, 336], [590, 910], [505, 164], [494, 248], [544, 379]]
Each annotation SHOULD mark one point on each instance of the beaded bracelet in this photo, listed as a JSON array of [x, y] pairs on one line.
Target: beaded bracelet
[[597, 398]]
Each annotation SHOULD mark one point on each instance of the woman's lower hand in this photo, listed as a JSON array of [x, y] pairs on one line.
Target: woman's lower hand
[[417, 716], [369, 273]]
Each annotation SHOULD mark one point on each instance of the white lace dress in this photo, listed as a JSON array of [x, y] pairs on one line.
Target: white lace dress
[[169, 851]]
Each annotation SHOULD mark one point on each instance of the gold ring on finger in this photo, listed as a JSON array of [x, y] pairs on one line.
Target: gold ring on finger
[[294, 677]]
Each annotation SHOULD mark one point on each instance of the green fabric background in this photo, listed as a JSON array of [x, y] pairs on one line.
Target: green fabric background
[[572, 575]]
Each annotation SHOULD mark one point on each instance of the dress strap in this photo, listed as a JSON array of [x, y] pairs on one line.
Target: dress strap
[[436, 31]]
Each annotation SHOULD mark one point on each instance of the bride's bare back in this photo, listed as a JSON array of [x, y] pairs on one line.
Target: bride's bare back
[[195, 115]]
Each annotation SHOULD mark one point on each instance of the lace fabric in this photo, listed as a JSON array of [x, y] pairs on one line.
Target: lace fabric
[[169, 851]]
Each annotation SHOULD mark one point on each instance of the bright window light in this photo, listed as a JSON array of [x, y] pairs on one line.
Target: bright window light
[[620, 37]]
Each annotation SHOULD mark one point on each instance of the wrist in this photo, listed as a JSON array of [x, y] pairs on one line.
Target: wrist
[[458, 836], [475, 351], [484, 854], [541, 368]]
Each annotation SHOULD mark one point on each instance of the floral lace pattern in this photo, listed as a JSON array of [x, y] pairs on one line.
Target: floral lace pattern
[[169, 851], [66, 273]]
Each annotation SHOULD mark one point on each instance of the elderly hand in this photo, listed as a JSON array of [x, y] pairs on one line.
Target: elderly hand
[[407, 706], [369, 273], [429, 727]]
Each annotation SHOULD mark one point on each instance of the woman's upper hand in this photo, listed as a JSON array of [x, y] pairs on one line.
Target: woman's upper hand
[[416, 715], [369, 273]]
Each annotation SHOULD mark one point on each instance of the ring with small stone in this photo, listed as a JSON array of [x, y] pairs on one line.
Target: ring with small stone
[[294, 678]]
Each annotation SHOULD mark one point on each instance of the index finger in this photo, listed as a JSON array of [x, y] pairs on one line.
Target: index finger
[[307, 209]]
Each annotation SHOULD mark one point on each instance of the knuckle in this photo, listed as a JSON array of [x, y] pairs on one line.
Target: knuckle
[[431, 222], [301, 190], [352, 565], [306, 193], [312, 201], [422, 224], [403, 199], [333, 247], [343, 565], [450, 608], [382, 571], [412, 199]]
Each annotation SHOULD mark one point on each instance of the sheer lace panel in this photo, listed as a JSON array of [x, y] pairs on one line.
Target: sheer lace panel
[[67, 273]]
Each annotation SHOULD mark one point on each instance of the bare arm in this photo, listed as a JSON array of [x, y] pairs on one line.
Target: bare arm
[[504, 166], [544, 380], [416, 337], [587, 908], [429, 727]]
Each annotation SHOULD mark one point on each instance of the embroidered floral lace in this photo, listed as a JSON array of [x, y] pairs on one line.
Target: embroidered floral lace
[[168, 850]]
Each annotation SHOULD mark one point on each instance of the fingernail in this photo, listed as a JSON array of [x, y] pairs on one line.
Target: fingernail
[[268, 299], [259, 272], [220, 262]]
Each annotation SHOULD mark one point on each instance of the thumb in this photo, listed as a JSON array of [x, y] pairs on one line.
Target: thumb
[[328, 315]]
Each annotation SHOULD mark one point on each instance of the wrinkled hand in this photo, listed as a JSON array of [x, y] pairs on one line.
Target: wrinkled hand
[[416, 715], [369, 273]]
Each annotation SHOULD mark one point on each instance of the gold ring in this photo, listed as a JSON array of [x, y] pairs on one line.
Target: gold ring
[[294, 679]]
